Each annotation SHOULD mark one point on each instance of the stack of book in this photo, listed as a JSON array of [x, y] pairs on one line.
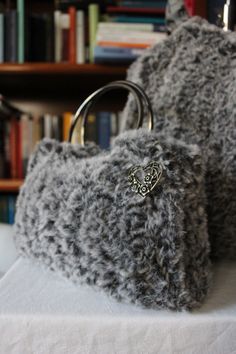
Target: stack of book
[[131, 27], [20, 131], [68, 32]]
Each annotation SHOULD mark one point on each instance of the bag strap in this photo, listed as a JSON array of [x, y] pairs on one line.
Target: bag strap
[[90, 101]]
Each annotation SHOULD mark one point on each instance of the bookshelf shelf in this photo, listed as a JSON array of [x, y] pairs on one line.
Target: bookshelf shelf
[[10, 185], [41, 79], [60, 68]]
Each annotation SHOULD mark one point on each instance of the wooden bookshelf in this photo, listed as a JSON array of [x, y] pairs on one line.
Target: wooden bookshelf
[[10, 185], [32, 80], [60, 68]]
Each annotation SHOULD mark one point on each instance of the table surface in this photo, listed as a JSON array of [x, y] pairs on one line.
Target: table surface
[[40, 312]]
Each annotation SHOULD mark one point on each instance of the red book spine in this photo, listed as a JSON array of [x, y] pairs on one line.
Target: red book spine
[[190, 7], [72, 34], [19, 160], [146, 10]]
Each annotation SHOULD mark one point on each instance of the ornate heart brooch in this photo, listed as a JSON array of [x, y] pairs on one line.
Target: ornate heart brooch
[[144, 179]]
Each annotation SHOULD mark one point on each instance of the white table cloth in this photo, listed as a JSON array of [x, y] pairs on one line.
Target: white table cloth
[[42, 313]]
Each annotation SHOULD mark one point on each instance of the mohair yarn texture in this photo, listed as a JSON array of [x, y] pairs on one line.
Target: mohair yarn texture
[[190, 79], [77, 215]]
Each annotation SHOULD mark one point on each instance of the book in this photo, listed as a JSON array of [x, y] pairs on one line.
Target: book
[[72, 34], [67, 119], [1, 37], [65, 28], [10, 36], [115, 54], [116, 26], [58, 36], [195, 7], [13, 147], [11, 208], [80, 37], [151, 4], [56, 127], [137, 19], [129, 39], [21, 30], [19, 158], [25, 138], [104, 129], [91, 128], [38, 38], [93, 18], [142, 10], [2, 148], [3, 209], [50, 37]]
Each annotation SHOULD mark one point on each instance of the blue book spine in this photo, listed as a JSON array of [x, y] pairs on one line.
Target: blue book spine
[[138, 19], [150, 4], [115, 54], [104, 129], [1, 38], [11, 209]]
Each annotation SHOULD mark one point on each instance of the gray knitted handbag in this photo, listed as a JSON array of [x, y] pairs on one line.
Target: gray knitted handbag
[[130, 220]]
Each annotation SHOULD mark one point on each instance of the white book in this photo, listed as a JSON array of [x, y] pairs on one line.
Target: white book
[[1, 38], [118, 26], [80, 40], [58, 36], [47, 126], [131, 36]]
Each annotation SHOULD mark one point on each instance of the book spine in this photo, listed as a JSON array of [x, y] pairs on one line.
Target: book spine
[[67, 118], [116, 26], [80, 37], [58, 36], [10, 39], [151, 4], [65, 27], [24, 141], [124, 44], [2, 148], [7, 165], [72, 34], [104, 129], [93, 23], [1, 38], [13, 147], [116, 54], [49, 32], [130, 36], [3, 209], [21, 30], [138, 19], [11, 201], [142, 10], [90, 128], [19, 158], [47, 126]]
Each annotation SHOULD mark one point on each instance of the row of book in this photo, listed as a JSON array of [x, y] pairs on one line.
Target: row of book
[[72, 32], [7, 208], [20, 132]]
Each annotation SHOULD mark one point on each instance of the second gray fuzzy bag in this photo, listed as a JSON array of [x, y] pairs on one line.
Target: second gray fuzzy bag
[[78, 215], [190, 79]]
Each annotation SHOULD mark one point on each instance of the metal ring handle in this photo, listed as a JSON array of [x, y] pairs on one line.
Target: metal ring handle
[[92, 99]]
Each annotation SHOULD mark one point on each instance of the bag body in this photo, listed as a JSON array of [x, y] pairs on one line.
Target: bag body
[[192, 89], [130, 220]]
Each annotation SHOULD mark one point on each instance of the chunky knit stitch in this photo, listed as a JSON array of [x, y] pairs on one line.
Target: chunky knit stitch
[[190, 79], [77, 215]]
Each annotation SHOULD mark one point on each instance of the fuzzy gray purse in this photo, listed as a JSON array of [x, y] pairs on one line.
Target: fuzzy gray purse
[[130, 220]]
